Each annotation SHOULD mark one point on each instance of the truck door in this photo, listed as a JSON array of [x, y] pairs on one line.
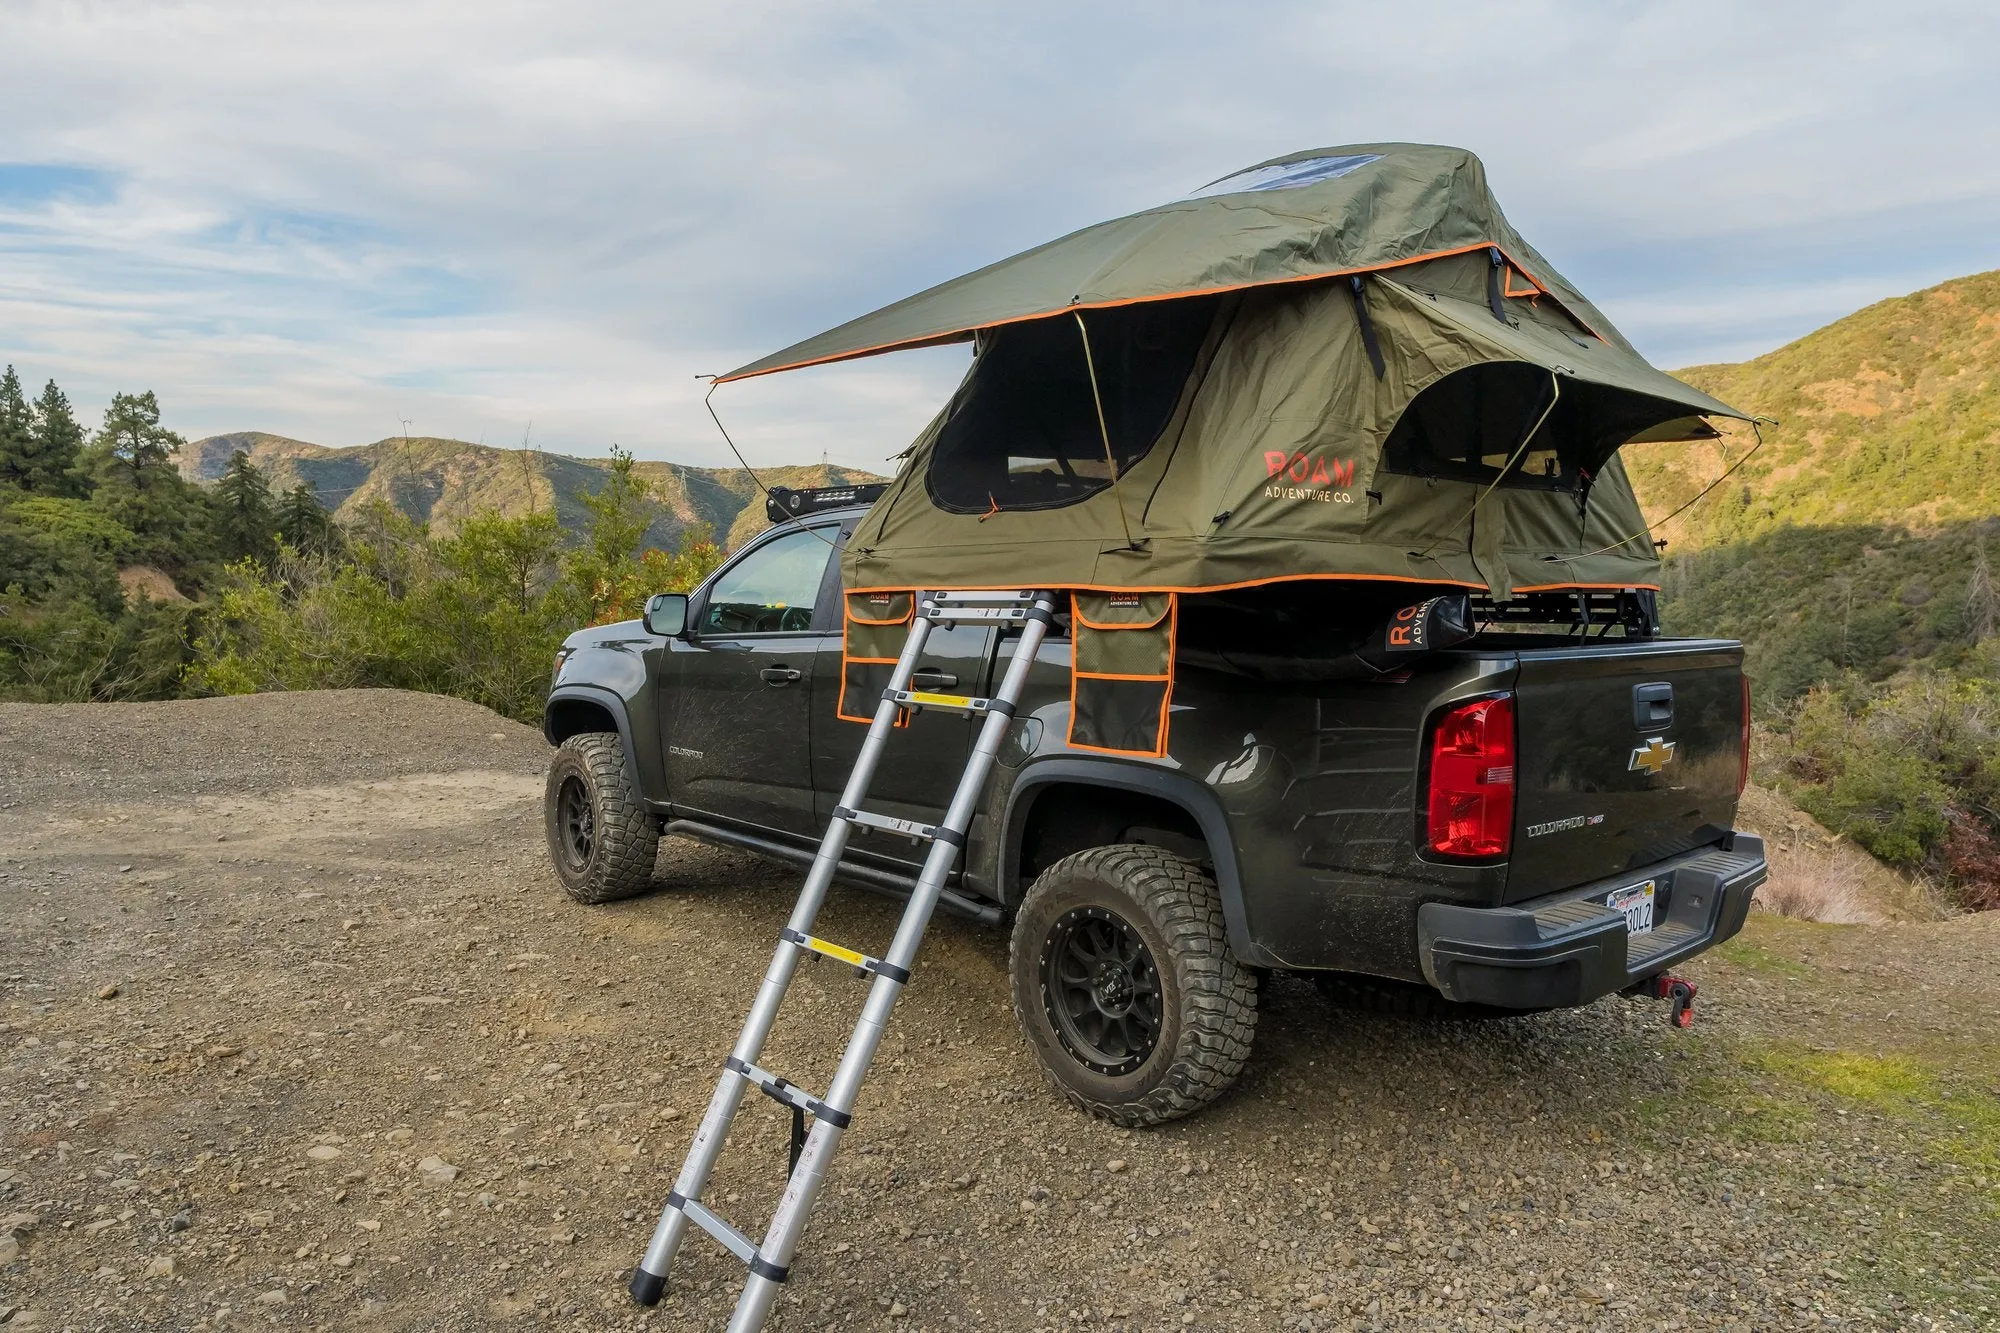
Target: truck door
[[921, 768], [738, 706]]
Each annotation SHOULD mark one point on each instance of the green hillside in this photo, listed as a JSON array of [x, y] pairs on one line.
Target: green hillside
[[1860, 538], [1854, 555], [1889, 416], [444, 482]]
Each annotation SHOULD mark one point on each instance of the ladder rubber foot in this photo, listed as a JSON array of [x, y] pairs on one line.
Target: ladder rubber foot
[[647, 1289]]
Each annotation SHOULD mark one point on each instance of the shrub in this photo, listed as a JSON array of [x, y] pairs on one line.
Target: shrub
[[70, 649], [1909, 770], [478, 614]]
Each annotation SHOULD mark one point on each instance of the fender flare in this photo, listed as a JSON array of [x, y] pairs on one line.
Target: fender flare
[[611, 702], [1196, 798]]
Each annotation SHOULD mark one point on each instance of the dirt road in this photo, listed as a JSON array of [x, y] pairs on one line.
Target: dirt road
[[297, 1031]]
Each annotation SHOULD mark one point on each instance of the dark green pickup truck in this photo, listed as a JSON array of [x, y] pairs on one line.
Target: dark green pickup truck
[[1535, 818]]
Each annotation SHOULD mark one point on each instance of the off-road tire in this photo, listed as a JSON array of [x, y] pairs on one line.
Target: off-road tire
[[614, 857], [1207, 1000], [1402, 999]]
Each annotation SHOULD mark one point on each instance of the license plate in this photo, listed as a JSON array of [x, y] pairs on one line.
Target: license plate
[[1637, 905]]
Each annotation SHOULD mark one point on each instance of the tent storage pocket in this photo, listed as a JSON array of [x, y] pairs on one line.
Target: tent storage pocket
[[877, 623], [1122, 670]]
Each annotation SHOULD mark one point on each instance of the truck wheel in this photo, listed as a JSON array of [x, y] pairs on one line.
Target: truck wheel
[[1125, 986], [602, 838]]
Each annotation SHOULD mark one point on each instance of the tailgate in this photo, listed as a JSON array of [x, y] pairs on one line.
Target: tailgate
[[1629, 753]]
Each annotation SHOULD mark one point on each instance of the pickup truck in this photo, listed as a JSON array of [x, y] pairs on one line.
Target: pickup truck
[[1535, 818]]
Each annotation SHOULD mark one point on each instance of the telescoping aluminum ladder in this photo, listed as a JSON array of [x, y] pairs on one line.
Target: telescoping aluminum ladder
[[770, 1262]]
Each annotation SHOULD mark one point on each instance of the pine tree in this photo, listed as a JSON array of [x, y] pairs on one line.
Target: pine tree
[[602, 570], [304, 524], [58, 438], [17, 443], [245, 522], [134, 438], [130, 468]]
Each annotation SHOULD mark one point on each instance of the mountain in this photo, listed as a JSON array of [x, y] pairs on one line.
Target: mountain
[[1891, 415], [442, 481], [1862, 535]]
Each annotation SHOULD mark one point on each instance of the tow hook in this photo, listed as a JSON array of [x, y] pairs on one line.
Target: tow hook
[[1682, 993]]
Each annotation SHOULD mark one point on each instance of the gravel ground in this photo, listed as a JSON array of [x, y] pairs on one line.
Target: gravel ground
[[296, 1030]]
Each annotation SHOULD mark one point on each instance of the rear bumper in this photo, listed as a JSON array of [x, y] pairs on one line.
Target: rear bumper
[[1569, 948]]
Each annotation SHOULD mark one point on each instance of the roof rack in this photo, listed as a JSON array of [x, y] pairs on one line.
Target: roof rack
[[783, 503], [1636, 610]]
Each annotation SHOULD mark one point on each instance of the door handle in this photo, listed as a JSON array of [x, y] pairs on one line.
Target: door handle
[[930, 678], [779, 675]]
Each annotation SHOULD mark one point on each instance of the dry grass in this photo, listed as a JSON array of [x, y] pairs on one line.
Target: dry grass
[[1817, 875], [144, 581], [1812, 880]]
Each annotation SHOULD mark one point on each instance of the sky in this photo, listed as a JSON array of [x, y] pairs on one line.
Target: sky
[[517, 220]]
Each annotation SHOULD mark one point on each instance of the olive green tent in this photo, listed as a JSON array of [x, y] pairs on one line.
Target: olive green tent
[[1317, 367], [1340, 364]]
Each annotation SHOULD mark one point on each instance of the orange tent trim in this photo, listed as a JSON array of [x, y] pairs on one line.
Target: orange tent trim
[[957, 335]]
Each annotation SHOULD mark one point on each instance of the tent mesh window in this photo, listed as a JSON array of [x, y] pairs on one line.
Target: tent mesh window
[[1467, 425], [1024, 433]]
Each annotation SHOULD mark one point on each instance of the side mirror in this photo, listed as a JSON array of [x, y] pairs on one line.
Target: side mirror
[[667, 614]]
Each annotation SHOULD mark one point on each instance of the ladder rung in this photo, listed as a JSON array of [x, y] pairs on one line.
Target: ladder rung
[[732, 1240], [1010, 608], [791, 1094], [908, 828], [852, 957], [1005, 614], [947, 598], [952, 703]]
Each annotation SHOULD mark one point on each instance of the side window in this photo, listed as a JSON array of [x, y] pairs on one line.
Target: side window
[[1468, 425], [771, 590], [1027, 434]]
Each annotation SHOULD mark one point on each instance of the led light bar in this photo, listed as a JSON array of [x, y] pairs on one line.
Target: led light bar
[[783, 503]]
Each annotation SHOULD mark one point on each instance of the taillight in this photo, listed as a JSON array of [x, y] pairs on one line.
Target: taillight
[[1471, 807], [1743, 761]]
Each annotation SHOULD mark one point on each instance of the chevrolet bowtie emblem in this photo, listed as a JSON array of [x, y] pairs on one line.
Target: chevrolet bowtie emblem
[[1653, 756]]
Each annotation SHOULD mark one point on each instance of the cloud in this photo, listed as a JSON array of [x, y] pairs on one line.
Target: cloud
[[322, 220]]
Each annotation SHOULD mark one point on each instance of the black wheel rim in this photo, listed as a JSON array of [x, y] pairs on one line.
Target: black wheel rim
[[578, 822], [1101, 990]]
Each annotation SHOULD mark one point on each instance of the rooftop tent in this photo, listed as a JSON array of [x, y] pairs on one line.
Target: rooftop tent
[[1343, 363], [1339, 365]]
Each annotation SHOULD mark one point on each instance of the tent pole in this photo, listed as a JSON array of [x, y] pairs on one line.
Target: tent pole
[[1110, 461], [755, 480], [1555, 395], [1756, 428]]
